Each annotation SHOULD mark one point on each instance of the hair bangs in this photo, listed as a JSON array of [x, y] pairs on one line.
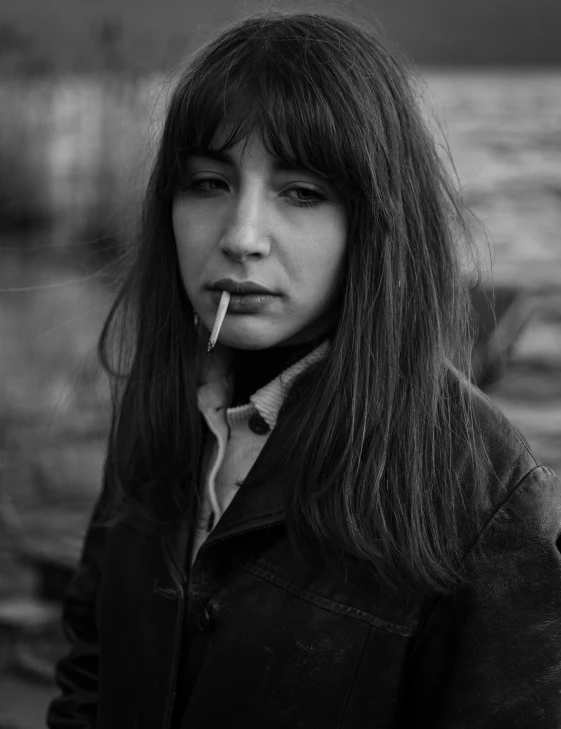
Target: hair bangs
[[227, 100], [202, 119], [298, 126]]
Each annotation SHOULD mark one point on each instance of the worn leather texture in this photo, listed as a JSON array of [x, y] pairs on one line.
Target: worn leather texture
[[256, 636]]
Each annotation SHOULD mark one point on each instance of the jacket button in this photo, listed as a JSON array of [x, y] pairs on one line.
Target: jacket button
[[257, 425]]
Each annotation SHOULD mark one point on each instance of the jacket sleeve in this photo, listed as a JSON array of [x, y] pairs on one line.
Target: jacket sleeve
[[489, 657], [77, 672]]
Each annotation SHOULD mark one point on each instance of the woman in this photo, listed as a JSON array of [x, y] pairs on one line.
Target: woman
[[321, 523]]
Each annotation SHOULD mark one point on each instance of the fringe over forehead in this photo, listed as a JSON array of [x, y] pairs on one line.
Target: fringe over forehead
[[315, 90]]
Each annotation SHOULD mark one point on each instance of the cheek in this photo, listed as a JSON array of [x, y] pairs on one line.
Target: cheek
[[190, 243], [319, 260]]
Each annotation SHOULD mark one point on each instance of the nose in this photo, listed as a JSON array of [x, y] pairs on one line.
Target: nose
[[246, 234]]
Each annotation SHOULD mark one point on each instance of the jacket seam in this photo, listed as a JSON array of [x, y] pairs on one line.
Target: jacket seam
[[331, 605], [499, 508], [484, 529], [348, 697], [510, 426]]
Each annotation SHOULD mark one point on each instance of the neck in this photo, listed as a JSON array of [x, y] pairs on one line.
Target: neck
[[255, 368]]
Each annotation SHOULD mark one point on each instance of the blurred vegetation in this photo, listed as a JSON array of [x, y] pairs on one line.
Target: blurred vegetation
[[71, 146], [74, 152]]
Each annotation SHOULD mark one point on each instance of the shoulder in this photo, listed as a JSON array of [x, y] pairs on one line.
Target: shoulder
[[496, 443], [500, 466]]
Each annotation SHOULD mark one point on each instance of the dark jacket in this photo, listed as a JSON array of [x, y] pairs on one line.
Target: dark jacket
[[262, 638]]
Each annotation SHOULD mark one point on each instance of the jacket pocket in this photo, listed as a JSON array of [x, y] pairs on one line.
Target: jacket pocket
[[274, 659]]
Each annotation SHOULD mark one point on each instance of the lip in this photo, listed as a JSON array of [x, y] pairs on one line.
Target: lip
[[240, 288], [244, 303]]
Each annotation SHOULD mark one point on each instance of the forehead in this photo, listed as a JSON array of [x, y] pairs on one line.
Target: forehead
[[251, 150], [240, 129], [247, 154]]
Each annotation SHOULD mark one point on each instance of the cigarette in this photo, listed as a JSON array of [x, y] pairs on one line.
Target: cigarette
[[220, 314]]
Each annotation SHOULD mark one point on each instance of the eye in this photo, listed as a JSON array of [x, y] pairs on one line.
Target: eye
[[207, 186], [305, 196]]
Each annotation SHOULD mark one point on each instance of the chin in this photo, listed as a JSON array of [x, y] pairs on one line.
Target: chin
[[245, 342], [251, 339]]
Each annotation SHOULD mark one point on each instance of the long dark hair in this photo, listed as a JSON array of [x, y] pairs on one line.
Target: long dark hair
[[368, 459]]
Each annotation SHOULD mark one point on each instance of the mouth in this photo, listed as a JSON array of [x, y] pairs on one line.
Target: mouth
[[247, 297], [241, 288]]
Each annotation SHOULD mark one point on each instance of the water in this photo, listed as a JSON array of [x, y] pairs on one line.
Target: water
[[504, 133], [505, 138]]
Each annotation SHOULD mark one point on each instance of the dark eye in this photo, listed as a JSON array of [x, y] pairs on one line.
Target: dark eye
[[304, 196], [209, 185]]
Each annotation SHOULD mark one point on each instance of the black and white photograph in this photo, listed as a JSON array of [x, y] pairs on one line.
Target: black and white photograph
[[280, 364]]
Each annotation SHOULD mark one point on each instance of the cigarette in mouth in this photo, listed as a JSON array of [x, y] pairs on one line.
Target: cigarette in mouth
[[220, 314]]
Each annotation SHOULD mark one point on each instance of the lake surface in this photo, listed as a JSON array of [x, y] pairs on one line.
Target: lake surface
[[504, 131]]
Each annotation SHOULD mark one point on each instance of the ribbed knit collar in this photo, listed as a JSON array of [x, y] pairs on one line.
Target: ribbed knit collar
[[268, 400], [217, 388]]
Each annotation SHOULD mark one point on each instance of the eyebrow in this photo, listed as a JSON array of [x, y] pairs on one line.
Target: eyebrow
[[279, 165]]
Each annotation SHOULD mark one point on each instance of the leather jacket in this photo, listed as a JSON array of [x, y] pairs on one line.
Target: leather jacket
[[256, 636]]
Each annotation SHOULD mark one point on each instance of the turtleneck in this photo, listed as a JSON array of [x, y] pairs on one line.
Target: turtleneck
[[253, 369]]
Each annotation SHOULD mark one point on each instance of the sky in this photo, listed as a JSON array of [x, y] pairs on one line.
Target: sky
[[155, 34]]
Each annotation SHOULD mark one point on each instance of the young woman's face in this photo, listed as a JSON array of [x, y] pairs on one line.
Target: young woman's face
[[244, 218]]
